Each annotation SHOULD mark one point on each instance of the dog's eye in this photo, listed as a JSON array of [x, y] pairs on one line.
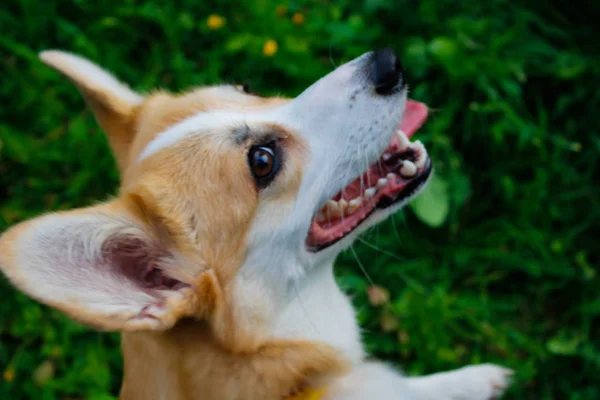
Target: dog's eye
[[264, 163]]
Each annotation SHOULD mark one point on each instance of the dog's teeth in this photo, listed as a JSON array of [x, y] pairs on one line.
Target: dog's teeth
[[386, 156], [370, 192], [333, 209], [421, 154], [404, 142], [391, 176], [321, 217], [408, 169], [343, 206], [382, 182], [354, 204]]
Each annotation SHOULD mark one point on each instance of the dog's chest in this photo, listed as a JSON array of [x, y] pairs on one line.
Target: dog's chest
[[319, 311]]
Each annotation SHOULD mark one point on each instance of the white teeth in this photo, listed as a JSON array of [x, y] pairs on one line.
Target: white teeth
[[418, 148], [343, 206], [404, 142], [336, 209], [354, 204], [421, 154], [408, 169], [332, 209]]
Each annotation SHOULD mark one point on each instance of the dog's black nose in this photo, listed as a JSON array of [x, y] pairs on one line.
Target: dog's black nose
[[386, 71]]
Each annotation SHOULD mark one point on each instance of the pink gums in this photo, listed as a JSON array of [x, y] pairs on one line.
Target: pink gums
[[322, 233]]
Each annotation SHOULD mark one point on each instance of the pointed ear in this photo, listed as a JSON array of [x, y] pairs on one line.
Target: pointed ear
[[113, 103], [103, 267]]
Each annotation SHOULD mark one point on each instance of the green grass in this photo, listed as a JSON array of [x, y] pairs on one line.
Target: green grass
[[497, 262]]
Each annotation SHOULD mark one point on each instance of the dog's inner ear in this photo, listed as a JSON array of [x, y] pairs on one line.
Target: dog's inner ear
[[113, 103], [136, 259], [102, 266]]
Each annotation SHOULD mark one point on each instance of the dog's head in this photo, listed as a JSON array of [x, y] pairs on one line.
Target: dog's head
[[227, 197]]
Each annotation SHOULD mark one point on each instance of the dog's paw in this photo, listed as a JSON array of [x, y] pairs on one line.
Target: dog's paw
[[479, 382]]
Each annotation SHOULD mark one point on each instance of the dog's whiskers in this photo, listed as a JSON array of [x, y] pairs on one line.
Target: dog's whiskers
[[379, 249], [306, 314], [331, 56], [361, 266], [412, 283], [396, 229]]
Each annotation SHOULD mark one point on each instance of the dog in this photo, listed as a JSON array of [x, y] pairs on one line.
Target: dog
[[215, 258]]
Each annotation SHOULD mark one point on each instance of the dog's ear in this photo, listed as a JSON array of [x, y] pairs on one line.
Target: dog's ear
[[105, 267], [114, 104]]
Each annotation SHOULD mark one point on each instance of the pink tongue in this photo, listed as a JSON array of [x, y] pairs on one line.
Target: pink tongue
[[414, 116]]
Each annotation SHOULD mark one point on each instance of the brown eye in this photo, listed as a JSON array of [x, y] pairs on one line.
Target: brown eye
[[264, 163]]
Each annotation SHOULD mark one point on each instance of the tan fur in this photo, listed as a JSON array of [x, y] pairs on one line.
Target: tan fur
[[162, 110], [210, 354], [114, 114], [173, 361], [205, 357]]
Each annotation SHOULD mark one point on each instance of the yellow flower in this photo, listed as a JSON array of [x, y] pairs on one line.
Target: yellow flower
[[269, 48], [280, 10], [298, 18], [9, 374], [215, 22]]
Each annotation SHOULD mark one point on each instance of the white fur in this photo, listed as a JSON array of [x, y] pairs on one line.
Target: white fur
[[282, 289], [378, 381], [197, 124], [291, 293], [294, 289], [316, 309], [61, 261], [60, 256]]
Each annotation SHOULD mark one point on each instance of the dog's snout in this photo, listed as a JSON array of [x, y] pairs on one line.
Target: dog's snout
[[386, 71]]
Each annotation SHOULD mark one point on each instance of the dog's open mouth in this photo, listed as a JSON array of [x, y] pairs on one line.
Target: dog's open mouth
[[400, 172]]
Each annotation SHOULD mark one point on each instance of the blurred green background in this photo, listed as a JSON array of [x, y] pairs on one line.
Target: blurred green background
[[496, 262]]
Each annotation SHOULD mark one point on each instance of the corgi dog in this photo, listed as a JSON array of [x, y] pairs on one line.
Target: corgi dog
[[215, 258]]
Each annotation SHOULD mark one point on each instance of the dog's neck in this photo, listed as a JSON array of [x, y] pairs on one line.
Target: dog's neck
[[187, 360], [318, 310]]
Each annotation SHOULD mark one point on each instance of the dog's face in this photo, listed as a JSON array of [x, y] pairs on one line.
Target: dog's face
[[227, 198]]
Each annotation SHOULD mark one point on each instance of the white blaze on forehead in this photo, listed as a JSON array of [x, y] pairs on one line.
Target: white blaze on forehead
[[201, 122], [211, 121]]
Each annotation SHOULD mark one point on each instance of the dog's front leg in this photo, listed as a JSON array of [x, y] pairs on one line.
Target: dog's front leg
[[378, 381], [474, 382]]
